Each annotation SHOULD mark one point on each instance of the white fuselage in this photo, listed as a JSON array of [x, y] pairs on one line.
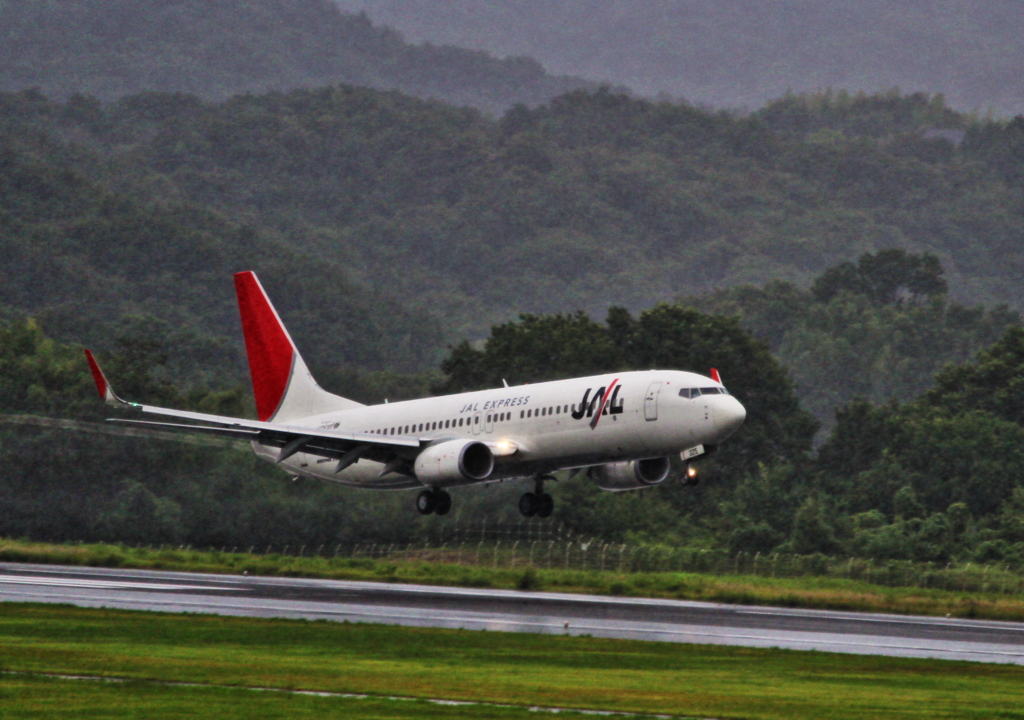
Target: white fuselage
[[547, 424]]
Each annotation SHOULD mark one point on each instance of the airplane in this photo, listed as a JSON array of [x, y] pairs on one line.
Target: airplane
[[619, 428]]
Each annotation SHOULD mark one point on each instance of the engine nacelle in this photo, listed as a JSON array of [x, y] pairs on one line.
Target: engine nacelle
[[631, 475], [454, 461]]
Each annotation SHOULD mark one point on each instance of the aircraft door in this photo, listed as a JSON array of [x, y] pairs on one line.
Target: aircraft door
[[476, 423], [651, 402]]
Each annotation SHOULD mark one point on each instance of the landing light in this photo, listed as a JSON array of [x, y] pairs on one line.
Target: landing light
[[503, 447], [690, 478]]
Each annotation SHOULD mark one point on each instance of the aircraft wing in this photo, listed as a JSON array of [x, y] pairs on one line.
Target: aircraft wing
[[325, 442]]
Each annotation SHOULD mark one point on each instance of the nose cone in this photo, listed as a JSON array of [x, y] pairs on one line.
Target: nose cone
[[729, 415]]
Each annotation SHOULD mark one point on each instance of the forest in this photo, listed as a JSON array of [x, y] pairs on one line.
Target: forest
[[431, 223]]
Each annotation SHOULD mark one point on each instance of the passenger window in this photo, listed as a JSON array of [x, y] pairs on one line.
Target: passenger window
[[476, 420], [685, 393], [522, 414]]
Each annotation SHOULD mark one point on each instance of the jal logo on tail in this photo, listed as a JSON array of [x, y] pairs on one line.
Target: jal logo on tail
[[604, 402]]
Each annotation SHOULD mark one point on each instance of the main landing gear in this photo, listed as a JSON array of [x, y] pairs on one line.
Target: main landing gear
[[537, 503], [435, 501]]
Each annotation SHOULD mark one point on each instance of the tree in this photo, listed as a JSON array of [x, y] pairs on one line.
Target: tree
[[994, 382], [887, 277]]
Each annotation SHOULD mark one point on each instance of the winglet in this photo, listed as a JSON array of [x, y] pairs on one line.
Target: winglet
[[102, 386], [716, 377]]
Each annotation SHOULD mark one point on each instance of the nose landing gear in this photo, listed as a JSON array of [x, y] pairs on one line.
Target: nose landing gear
[[435, 501], [537, 503]]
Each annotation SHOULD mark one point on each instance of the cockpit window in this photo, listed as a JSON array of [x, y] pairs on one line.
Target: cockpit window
[[697, 392]]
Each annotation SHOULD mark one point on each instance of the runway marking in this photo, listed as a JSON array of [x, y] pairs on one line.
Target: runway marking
[[347, 696], [100, 584]]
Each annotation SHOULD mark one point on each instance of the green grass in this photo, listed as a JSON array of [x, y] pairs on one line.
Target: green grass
[[821, 592], [40, 698], [520, 669]]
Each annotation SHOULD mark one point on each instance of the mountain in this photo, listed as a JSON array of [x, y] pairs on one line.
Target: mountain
[[95, 266], [592, 200], [218, 48], [735, 53]]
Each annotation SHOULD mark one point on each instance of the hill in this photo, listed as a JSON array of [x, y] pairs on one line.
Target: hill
[[93, 265], [734, 53], [214, 49], [592, 200]]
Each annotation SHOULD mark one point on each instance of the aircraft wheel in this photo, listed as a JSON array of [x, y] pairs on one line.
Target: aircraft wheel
[[528, 504], [545, 505], [442, 502], [425, 502]]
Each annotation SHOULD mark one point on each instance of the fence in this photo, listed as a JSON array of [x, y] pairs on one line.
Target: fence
[[554, 549]]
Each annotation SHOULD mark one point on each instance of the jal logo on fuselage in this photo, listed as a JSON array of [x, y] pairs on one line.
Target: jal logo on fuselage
[[604, 402]]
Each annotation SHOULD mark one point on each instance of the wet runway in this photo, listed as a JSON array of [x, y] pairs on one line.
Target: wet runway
[[514, 611]]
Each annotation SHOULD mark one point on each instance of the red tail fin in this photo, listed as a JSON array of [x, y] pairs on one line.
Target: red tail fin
[[715, 376], [281, 382], [271, 351]]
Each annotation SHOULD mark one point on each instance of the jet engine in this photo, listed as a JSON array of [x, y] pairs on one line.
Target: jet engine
[[631, 475], [454, 461]]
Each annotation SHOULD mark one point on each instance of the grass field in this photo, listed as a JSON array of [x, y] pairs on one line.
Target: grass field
[[226, 654], [829, 593]]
